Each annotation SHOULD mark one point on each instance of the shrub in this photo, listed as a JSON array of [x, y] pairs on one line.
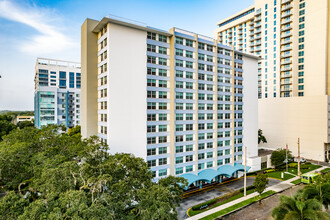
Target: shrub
[[204, 205], [270, 170], [292, 165], [304, 166]]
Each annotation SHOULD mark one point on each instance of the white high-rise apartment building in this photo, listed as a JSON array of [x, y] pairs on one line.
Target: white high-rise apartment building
[[182, 101], [292, 37], [57, 93]]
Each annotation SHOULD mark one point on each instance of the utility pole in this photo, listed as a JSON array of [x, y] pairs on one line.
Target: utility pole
[[299, 174], [286, 153], [245, 172]]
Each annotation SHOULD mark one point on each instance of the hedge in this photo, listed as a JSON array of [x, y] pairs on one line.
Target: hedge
[[204, 205]]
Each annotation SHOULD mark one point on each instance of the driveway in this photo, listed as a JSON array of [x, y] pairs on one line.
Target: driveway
[[216, 191]]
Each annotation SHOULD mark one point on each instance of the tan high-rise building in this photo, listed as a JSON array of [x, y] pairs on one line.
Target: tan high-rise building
[[181, 101], [293, 84]]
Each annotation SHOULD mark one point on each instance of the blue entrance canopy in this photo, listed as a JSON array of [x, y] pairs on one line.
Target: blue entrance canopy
[[209, 174]]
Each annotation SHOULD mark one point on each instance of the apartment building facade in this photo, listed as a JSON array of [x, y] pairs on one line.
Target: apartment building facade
[[181, 101], [293, 83], [57, 93]]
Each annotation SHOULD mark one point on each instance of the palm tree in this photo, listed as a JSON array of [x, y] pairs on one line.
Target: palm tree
[[320, 191], [298, 208]]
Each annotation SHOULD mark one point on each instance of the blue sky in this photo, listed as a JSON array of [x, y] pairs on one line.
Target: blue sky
[[51, 29]]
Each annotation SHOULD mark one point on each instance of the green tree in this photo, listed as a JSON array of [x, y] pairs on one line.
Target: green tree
[[278, 156], [5, 128], [261, 137], [55, 175], [320, 190], [260, 184], [23, 124], [299, 208]]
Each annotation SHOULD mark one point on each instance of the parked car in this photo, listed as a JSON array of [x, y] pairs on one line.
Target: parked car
[[302, 160]]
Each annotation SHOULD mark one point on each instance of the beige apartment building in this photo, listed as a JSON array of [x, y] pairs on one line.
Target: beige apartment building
[[292, 37], [181, 101]]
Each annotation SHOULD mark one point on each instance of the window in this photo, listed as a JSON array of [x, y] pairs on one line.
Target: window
[[151, 163], [162, 38], [200, 166], [201, 156], [179, 63], [151, 48], [162, 128], [189, 75], [189, 64], [179, 73], [189, 54], [162, 61], [162, 139], [178, 149], [151, 128], [162, 172], [189, 158], [162, 150], [162, 161], [179, 170], [151, 105], [151, 152], [151, 36], [162, 117], [162, 83], [162, 72], [189, 148], [162, 95], [151, 94], [151, 59], [178, 52], [179, 40], [189, 43], [162, 50], [189, 168]]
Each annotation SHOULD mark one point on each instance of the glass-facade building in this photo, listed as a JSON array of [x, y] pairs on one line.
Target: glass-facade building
[[57, 93]]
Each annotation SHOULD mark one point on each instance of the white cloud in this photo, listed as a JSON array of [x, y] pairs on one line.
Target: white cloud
[[49, 38]]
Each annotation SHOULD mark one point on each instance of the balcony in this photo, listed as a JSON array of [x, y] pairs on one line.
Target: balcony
[[257, 25], [284, 61], [286, 7], [251, 33], [286, 89], [257, 37], [258, 42], [251, 39], [286, 68], [252, 44], [230, 31], [257, 19], [240, 27], [286, 48], [251, 23], [286, 21], [286, 35], [286, 82], [257, 31], [257, 49], [240, 48], [286, 14], [287, 41], [285, 1], [286, 28], [285, 55], [286, 75], [240, 38]]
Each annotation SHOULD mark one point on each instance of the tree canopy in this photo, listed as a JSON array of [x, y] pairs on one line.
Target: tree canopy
[[49, 174], [260, 184], [278, 156], [261, 137]]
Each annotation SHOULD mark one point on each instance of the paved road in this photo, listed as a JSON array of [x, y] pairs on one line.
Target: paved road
[[216, 192]]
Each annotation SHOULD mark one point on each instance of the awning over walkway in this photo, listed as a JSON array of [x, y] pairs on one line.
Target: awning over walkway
[[209, 174]]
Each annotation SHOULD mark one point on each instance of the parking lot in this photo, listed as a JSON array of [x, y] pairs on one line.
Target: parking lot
[[216, 191]]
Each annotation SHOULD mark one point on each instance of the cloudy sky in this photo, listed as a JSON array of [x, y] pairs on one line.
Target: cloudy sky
[[51, 29]]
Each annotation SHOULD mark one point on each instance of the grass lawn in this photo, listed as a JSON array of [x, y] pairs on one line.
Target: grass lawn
[[311, 167], [236, 206], [192, 212], [325, 170], [296, 181], [277, 175]]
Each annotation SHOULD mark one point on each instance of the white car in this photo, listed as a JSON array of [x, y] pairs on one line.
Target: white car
[[302, 160]]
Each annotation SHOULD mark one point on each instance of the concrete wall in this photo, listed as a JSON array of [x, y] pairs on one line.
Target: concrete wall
[[88, 79], [284, 120], [250, 105], [127, 92]]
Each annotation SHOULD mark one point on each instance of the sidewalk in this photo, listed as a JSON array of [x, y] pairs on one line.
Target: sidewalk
[[277, 188]]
